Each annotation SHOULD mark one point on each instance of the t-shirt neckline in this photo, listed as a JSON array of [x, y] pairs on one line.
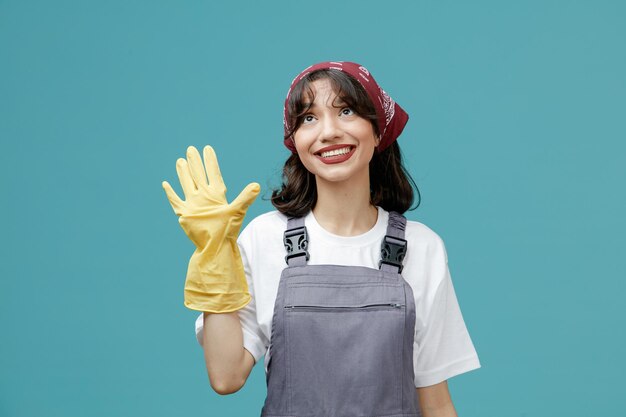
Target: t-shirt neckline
[[375, 233]]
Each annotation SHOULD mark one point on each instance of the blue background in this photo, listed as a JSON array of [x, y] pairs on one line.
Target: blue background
[[516, 140]]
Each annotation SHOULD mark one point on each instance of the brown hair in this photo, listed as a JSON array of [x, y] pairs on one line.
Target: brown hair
[[391, 186]]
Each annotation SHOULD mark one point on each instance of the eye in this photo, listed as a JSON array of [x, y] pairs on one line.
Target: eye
[[308, 118], [347, 111]]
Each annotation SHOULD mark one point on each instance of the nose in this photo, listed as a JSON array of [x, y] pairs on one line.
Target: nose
[[329, 128]]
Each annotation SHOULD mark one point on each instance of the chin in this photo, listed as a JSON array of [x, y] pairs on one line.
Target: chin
[[339, 176]]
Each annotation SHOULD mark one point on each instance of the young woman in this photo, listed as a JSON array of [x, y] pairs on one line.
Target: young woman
[[351, 305]]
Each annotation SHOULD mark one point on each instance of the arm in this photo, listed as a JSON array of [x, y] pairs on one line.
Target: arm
[[228, 364], [444, 348], [216, 282], [435, 401]]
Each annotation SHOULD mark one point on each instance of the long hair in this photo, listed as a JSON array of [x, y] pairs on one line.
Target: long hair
[[391, 186]]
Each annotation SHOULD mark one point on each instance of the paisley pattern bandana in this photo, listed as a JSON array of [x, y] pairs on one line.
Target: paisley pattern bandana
[[391, 117]]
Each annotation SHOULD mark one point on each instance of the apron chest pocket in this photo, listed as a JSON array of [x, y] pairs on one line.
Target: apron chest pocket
[[340, 352]]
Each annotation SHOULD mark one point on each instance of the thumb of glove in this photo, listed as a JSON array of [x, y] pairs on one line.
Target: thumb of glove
[[247, 196]]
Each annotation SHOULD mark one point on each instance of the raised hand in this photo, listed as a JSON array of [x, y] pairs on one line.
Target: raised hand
[[215, 277]]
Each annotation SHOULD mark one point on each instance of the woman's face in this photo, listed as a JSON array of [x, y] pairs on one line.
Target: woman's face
[[333, 142]]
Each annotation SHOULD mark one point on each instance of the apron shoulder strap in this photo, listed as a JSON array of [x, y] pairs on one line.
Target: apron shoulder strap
[[392, 251], [393, 247], [296, 242]]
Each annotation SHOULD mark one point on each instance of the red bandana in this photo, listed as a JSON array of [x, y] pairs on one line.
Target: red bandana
[[391, 117]]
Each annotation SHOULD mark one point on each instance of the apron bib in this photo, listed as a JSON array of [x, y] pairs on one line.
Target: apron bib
[[342, 336]]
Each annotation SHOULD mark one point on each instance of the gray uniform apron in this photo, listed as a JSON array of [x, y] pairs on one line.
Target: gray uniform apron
[[342, 336]]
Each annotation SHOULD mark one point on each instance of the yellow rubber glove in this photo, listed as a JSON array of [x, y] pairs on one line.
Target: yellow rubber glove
[[216, 281]]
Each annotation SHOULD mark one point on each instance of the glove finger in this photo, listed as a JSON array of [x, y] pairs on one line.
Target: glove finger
[[195, 167], [213, 169], [182, 168], [247, 196], [175, 201]]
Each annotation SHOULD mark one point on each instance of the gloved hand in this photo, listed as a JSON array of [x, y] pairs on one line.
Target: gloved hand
[[216, 281]]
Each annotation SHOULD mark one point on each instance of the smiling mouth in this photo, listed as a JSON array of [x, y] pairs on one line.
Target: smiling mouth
[[335, 152]]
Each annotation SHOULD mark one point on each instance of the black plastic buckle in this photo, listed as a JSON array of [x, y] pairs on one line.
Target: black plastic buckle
[[392, 252], [296, 242]]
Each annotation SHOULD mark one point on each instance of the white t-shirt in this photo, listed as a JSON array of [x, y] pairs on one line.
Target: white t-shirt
[[442, 346]]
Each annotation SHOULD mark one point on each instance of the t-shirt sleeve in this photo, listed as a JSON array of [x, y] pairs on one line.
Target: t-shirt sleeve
[[443, 347], [253, 339]]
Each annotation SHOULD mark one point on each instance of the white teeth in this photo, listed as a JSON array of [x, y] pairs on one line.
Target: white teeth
[[336, 152]]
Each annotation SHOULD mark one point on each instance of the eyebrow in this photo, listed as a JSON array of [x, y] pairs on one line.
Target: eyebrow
[[338, 101]]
